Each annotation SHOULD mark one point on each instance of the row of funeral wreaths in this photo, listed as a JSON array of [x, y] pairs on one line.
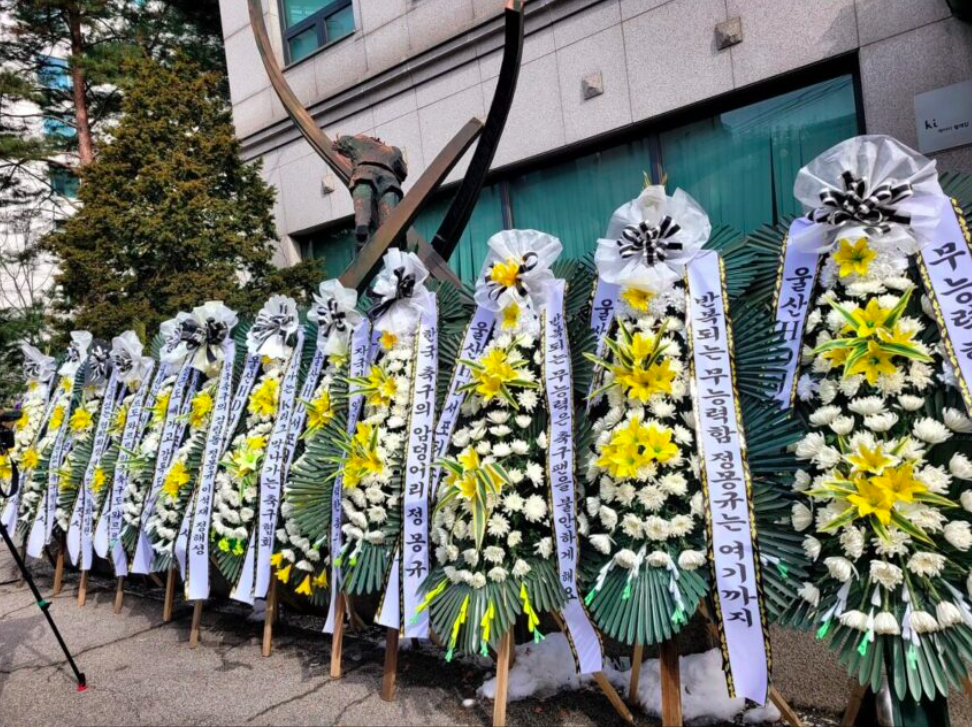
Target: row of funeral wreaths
[[598, 440]]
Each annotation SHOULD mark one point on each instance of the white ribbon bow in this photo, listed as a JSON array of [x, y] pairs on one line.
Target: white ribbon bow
[[517, 269], [869, 186], [401, 293], [76, 354], [126, 355], [335, 315], [651, 239], [276, 322], [99, 363], [202, 335], [38, 368]]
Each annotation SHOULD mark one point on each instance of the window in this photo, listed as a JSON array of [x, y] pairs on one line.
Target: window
[[312, 24], [54, 126], [63, 181], [53, 73], [740, 165]]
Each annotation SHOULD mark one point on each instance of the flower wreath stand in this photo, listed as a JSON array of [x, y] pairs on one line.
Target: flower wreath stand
[[674, 490], [504, 469], [873, 292]]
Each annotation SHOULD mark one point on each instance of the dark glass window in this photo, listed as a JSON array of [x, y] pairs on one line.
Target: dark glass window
[[63, 181], [312, 24]]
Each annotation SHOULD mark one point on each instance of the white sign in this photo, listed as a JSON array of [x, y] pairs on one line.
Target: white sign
[[944, 117]]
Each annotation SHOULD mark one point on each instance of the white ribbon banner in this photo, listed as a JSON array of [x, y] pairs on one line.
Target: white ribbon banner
[[108, 530], [362, 352], [794, 293], [8, 518], [43, 527], [193, 539], [727, 485], [946, 266], [172, 431], [604, 304], [478, 334], [410, 564], [81, 528], [255, 578], [560, 468]]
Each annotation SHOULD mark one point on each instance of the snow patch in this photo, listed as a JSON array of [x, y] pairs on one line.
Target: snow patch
[[545, 669]]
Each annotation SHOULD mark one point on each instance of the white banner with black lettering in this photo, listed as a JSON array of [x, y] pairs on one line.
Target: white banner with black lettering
[[81, 529], [477, 336], [794, 292], [726, 482], [946, 266], [362, 353], [255, 578], [192, 544], [172, 432], [108, 530], [603, 306], [411, 563], [8, 518], [559, 384]]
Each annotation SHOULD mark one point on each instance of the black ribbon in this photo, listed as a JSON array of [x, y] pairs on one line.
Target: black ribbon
[[857, 204], [331, 318], [651, 242], [404, 288], [530, 262], [33, 370], [123, 361], [211, 335], [99, 362]]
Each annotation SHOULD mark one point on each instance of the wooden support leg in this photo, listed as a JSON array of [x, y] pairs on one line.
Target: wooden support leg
[[337, 641], [168, 603], [967, 683], [119, 595], [391, 666], [156, 580], [357, 623], [83, 589], [613, 698], [789, 716], [853, 705], [22, 583], [671, 684], [636, 659], [197, 609], [270, 616], [502, 679], [59, 573]]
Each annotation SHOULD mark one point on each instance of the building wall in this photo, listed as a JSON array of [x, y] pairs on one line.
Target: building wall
[[416, 70]]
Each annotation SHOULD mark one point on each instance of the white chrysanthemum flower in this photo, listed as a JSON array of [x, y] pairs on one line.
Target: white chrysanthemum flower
[[956, 421], [887, 574], [947, 614], [497, 525], [854, 619], [519, 447], [631, 526], [812, 547], [810, 445], [657, 528], [810, 593], [521, 569], [534, 473], [691, 559], [881, 422], [806, 388], [659, 559], [923, 622], [867, 406], [842, 425], [959, 535], [852, 541], [885, 624], [824, 415], [896, 544], [839, 568], [601, 543], [924, 563], [909, 402], [931, 431], [697, 504], [960, 467], [609, 517], [625, 558], [801, 517], [497, 574], [514, 538]]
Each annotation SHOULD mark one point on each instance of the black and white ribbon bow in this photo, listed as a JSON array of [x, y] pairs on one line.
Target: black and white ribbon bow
[[404, 288], [330, 318], [209, 335], [857, 204], [652, 242], [530, 262], [33, 370], [99, 362], [269, 325], [123, 362]]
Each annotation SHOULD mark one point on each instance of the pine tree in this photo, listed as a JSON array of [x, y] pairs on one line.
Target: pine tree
[[171, 216]]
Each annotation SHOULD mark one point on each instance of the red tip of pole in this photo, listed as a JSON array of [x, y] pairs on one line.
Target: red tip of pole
[[82, 687]]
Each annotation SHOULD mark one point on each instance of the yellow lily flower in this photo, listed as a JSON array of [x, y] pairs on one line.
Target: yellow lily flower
[[871, 500], [388, 340], [30, 459], [177, 478], [202, 405], [57, 418], [872, 461], [505, 273], [854, 259], [511, 314], [81, 421], [874, 363], [637, 299], [304, 588], [263, 401], [899, 484]]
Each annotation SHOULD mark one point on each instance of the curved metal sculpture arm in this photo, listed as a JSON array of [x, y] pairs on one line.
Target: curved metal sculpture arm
[[461, 210], [295, 109]]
